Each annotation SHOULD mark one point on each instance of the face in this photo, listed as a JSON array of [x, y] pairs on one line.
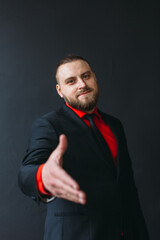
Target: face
[[78, 86]]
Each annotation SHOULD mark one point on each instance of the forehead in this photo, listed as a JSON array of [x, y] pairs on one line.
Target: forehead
[[72, 69]]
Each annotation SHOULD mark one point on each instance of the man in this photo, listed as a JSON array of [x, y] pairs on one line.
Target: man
[[78, 162]]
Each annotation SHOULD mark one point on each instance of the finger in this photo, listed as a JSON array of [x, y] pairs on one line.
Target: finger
[[66, 189], [65, 178], [79, 197], [74, 198]]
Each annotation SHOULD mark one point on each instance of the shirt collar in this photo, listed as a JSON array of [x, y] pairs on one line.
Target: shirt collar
[[81, 114]]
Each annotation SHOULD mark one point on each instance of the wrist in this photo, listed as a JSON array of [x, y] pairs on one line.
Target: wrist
[[40, 185]]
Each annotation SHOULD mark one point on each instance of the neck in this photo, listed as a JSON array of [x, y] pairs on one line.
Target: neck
[[90, 112]]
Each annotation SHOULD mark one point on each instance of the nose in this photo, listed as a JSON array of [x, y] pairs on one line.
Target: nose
[[81, 83]]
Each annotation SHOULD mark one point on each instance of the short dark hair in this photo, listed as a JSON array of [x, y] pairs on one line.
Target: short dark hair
[[69, 58]]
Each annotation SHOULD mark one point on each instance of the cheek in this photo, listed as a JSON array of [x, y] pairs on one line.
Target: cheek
[[94, 83], [70, 93], [95, 86]]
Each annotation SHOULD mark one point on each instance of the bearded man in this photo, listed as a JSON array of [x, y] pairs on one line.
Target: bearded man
[[77, 161]]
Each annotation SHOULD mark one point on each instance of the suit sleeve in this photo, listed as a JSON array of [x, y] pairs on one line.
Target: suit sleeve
[[43, 140]]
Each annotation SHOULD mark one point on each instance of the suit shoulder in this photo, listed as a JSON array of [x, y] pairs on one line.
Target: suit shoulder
[[110, 117], [51, 115], [46, 119]]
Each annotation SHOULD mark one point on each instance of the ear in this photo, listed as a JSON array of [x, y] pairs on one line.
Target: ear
[[58, 88]]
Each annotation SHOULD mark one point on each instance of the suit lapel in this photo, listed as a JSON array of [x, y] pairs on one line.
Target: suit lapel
[[82, 126]]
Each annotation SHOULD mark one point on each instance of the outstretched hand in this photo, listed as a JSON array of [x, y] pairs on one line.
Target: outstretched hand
[[56, 180]]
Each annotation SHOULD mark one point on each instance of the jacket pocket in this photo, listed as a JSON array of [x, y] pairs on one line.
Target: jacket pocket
[[70, 213]]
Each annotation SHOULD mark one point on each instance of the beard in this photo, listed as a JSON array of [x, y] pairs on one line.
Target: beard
[[85, 106]]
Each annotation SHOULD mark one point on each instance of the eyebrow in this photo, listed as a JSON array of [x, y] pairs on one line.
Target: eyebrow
[[72, 77], [86, 73]]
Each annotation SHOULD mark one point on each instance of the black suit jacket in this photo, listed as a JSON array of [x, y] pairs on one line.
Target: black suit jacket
[[112, 199]]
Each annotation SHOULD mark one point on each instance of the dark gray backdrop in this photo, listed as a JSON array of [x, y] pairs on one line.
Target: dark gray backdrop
[[121, 40]]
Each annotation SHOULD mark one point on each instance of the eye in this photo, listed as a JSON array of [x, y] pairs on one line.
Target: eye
[[86, 76], [71, 81]]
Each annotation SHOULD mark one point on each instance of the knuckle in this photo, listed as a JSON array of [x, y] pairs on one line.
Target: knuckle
[[58, 193]]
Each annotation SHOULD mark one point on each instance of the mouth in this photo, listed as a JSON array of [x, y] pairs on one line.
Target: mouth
[[84, 93]]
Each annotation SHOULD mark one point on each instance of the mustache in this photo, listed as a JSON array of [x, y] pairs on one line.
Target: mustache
[[84, 90]]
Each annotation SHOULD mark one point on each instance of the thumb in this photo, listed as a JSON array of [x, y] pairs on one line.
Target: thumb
[[63, 144]]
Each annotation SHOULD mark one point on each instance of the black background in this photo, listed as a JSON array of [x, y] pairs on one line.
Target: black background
[[121, 39]]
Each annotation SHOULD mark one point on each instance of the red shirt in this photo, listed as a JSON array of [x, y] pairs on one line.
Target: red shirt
[[104, 130]]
